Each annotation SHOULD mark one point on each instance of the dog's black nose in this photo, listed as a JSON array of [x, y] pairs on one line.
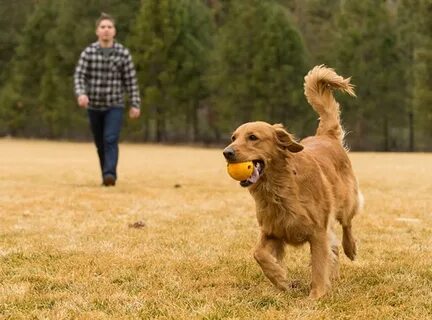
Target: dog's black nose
[[229, 153]]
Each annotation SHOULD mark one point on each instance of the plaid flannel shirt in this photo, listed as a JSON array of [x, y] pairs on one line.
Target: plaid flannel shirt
[[104, 79]]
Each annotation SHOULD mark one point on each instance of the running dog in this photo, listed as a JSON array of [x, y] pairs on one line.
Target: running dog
[[301, 188]]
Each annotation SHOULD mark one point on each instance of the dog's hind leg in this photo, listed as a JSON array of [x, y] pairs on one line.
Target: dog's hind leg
[[321, 261], [334, 256], [348, 240], [269, 254]]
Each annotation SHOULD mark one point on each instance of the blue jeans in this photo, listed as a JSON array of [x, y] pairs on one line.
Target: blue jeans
[[105, 126]]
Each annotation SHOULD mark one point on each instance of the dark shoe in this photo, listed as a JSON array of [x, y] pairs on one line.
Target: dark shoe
[[109, 180]]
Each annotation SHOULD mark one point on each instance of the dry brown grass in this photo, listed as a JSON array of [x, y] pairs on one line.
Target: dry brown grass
[[67, 251]]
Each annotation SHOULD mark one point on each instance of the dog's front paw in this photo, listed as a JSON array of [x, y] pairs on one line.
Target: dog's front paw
[[288, 285], [283, 285], [317, 293]]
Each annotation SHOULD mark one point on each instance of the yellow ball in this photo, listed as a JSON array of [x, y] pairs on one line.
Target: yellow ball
[[241, 170]]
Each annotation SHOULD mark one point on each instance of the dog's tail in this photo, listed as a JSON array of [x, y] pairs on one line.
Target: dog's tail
[[318, 86]]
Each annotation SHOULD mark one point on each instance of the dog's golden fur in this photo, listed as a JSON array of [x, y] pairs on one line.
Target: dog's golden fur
[[304, 187]]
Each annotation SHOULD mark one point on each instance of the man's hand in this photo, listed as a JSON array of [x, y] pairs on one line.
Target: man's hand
[[83, 101], [134, 113]]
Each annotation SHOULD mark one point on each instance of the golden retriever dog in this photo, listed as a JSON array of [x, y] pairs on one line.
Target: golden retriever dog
[[301, 188]]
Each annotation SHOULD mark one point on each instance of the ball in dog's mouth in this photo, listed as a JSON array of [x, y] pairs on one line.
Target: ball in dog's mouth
[[256, 174], [240, 170]]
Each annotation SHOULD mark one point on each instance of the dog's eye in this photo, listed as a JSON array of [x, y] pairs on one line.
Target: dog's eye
[[253, 137], [233, 138]]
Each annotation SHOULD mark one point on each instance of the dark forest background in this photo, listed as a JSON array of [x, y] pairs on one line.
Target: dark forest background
[[205, 66]]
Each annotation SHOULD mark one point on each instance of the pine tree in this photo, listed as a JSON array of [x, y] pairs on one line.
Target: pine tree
[[13, 18], [415, 47], [259, 65], [316, 20], [220, 9], [60, 112], [20, 108], [171, 39], [366, 49], [423, 75]]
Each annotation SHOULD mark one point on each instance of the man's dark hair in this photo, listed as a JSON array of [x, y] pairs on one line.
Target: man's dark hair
[[104, 16]]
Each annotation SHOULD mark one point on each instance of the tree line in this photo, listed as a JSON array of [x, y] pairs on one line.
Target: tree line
[[205, 66]]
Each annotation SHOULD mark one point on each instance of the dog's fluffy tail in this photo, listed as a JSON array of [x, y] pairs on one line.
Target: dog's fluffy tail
[[318, 86]]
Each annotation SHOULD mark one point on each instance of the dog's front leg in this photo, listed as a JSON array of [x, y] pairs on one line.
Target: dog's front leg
[[321, 257], [269, 254]]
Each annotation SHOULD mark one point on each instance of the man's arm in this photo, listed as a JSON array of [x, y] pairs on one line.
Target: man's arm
[[130, 81], [79, 81], [80, 75]]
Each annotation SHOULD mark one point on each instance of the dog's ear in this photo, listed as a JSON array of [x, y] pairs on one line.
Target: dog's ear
[[286, 140]]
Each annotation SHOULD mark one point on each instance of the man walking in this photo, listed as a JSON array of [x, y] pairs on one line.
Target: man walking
[[104, 70]]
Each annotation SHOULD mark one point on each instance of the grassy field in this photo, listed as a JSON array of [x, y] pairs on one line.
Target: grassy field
[[174, 239]]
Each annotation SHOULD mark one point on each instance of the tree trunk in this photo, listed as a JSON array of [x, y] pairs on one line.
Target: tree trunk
[[386, 135], [411, 130], [195, 124], [160, 124]]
